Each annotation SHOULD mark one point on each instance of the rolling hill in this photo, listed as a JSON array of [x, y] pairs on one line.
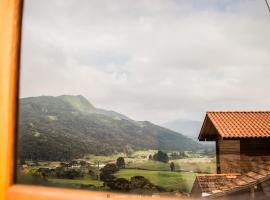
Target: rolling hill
[[67, 127]]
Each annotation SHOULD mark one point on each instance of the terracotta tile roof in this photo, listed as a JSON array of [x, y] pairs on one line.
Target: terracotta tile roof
[[214, 185], [241, 124]]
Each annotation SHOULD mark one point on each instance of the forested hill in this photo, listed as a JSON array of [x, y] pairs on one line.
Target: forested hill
[[66, 127]]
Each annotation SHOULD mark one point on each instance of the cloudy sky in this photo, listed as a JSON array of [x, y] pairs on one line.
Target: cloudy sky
[[156, 60]]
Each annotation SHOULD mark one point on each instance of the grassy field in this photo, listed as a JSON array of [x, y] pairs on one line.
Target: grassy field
[[76, 182], [137, 164], [196, 165], [150, 165], [179, 181]]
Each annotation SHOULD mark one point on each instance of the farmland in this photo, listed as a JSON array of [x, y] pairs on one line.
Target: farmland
[[171, 181], [137, 164]]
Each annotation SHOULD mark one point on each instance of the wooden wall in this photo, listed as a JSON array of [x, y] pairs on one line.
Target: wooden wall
[[228, 158], [253, 152], [238, 156]]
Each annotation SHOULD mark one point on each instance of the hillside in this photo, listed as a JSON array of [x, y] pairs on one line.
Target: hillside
[[66, 127]]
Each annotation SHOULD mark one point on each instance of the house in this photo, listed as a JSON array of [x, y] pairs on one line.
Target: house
[[242, 156]]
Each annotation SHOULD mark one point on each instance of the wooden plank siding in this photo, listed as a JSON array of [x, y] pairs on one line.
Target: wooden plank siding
[[236, 156], [254, 151], [228, 158]]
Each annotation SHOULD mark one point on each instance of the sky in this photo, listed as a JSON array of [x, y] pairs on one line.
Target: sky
[[159, 60]]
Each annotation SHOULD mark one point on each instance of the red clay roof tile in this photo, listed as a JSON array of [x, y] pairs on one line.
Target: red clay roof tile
[[241, 124], [220, 184]]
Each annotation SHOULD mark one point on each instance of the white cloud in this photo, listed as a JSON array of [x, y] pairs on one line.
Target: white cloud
[[151, 61]]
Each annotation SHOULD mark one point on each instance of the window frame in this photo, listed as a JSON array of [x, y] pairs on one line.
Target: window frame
[[10, 39]]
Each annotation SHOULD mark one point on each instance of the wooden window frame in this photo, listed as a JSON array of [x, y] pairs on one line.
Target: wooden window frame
[[10, 33]]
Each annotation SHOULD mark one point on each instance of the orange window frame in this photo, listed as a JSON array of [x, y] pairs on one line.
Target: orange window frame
[[10, 31]]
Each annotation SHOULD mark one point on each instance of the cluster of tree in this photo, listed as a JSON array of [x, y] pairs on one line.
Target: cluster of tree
[[106, 173], [59, 172], [138, 183], [78, 163], [178, 155], [44, 172], [160, 156], [69, 173], [64, 170]]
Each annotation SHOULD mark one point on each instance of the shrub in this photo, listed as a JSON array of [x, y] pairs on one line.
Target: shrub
[[172, 166]]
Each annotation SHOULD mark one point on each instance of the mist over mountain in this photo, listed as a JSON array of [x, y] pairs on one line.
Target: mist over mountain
[[67, 127], [189, 128]]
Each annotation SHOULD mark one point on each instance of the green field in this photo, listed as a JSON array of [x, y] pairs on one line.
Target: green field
[[197, 165], [150, 165], [190, 165], [76, 182], [137, 164], [179, 181]]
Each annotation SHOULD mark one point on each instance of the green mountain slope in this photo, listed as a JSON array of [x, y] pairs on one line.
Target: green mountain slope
[[66, 127]]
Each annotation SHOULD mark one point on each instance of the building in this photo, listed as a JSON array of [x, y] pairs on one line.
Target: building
[[242, 156]]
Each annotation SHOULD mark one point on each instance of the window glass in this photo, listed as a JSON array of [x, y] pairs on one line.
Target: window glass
[[113, 95]]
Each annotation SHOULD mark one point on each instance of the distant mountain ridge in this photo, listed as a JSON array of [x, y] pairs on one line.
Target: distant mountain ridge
[[189, 128], [66, 127]]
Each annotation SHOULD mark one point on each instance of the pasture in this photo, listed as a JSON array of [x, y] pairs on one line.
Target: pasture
[[136, 164], [171, 181]]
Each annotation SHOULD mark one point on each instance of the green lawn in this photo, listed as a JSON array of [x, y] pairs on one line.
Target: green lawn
[[150, 165], [177, 181], [76, 182]]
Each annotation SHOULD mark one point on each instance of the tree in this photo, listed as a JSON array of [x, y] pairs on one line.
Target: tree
[[106, 173], [44, 172], [161, 156], [121, 184], [140, 182], [69, 173], [136, 183], [120, 162], [22, 162], [172, 166]]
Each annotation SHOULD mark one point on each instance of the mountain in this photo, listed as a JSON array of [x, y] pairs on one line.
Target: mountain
[[189, 128], [67, 127]]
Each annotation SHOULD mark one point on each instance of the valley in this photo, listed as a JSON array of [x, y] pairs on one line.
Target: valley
[[65, 141], [180, 180]]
